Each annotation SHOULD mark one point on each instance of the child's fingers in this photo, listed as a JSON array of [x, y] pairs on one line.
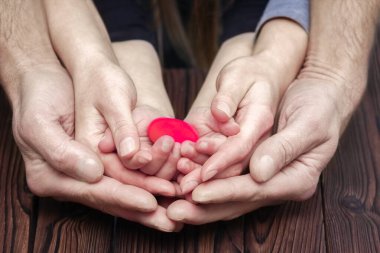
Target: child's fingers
[[185, 165], [169, 169], [161, 150], [189, 151]]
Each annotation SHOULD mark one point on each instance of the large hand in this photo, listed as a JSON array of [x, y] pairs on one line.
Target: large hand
[[310, 122], [43, 125]]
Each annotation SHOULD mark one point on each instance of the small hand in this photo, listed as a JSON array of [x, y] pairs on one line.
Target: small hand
[[212, 135], [164, 153]]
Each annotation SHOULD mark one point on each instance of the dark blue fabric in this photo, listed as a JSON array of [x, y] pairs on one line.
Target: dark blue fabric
[[133, 19]]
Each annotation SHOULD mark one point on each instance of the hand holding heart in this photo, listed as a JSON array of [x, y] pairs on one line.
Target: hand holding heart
[[161, 140]]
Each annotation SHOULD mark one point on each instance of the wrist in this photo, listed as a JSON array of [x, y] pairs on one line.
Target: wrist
[[346, 89], [281, 45]]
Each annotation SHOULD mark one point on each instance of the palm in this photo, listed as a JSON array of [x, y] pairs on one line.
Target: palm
[[205, 124]]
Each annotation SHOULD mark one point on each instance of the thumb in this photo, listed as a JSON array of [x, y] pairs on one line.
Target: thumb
[[281, 149], [123, 128], [64, 153], [232, 84]]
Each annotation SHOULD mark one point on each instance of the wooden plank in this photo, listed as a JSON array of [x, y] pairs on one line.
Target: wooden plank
[[16, 202], [67, 227], [351, 184], [291, 227]]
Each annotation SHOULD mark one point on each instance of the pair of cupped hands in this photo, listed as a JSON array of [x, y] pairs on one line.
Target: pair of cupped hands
[[107, 162], [82, 131]]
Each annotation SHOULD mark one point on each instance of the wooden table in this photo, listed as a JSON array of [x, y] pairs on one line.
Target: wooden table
[[343, 215]]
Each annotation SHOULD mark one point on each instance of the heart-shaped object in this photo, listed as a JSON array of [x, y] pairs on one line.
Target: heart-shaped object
[[179, 130]]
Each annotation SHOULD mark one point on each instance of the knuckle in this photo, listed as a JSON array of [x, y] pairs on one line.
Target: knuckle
[[119, 127], [267, 117], [116, 85], [307, 193], [28, 122], [307, 187], [35, 184], [59, 155], [287, 149], [244, 149]]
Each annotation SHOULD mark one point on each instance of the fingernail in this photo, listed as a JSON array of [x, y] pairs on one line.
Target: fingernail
[[166, 146], [224, 108], [266, 167], [89, 170], [189, 186], [202, 145], [183, 165], [209, 174], [177, 214], [200, 197], [127, 146]]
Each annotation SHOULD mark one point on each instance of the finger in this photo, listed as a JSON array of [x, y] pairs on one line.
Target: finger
[[279, 150], [185, 165], [115, 169], [256, 122], [161, 150], [106, 144], [137, 161], [157, 219], [179, 178], [107, 195], [298, 181], [234, 150], [169, 169], [108, 192], [119, 119], [191, 180], [188, 151], [232, 171], [238, 188], [63, 153], [210, 145], [232, 84], [229, 128], [187, 212]]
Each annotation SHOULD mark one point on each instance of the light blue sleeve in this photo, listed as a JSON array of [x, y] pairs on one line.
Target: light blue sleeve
[[296, 10]]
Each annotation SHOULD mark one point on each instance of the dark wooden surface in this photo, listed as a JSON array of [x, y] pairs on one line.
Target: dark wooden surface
[[343, 215]]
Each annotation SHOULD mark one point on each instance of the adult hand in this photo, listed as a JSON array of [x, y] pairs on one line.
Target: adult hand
[[43, 124], [311, 119]]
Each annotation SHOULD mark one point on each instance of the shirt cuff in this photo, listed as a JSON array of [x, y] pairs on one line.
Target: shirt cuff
[[296, 10]]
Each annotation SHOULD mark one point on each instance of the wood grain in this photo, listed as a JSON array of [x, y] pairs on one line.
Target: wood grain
[[351, 183], [68, 227], [290, 227], [16, 202]]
